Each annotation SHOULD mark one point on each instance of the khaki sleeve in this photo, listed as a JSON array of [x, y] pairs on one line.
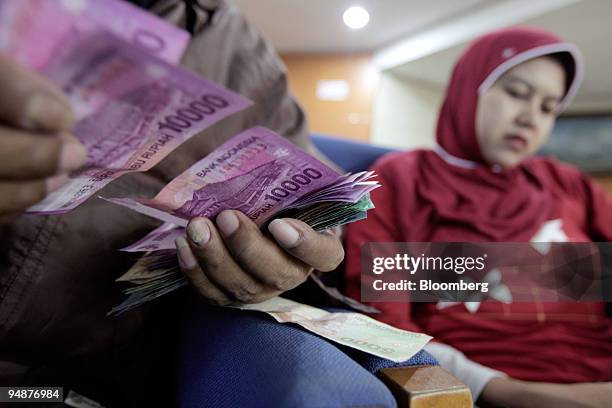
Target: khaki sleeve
[[233, 52]]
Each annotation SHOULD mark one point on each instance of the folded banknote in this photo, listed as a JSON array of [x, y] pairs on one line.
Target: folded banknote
[[349, 329]]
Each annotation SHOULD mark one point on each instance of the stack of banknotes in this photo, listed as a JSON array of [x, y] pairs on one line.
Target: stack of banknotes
[[117, 64], [256, 172]]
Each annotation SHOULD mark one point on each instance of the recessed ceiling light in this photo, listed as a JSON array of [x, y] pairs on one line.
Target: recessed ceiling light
[[356, 17]]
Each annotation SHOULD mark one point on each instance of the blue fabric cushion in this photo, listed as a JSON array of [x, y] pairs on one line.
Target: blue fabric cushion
[[230, 358], [349, 155], [233, 358]]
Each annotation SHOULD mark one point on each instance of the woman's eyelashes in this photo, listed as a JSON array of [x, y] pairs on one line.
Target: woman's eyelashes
[[548, 106], [549, 109], [517, 93]]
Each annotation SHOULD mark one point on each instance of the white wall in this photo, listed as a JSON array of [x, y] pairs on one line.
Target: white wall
[[405, 113]]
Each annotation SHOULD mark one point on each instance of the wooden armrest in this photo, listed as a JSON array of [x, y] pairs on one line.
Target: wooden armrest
[[426, 386]]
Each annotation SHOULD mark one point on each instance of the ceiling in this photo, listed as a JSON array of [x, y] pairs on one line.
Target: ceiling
[[315, 26], [300, 26], [585, 24]]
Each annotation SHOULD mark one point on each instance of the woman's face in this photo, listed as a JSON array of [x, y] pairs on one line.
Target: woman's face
[[516, 115]]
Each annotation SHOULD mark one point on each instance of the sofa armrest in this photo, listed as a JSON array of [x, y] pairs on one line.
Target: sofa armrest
[[426, 386]]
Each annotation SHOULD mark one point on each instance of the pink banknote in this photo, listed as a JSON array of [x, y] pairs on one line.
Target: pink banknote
[[134, 109], [161, 238], [115, 62], [34, 31], [256, 172]]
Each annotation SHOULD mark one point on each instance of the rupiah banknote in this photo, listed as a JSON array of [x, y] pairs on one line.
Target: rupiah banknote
[[34, 31], [349, 329], [262, 175], [256, 172], [160, 238], [133, 106]]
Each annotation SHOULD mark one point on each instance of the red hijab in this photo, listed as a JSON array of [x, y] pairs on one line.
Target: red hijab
[[462, 188]]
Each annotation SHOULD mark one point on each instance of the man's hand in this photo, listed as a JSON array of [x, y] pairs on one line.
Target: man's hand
[[233, 261], [36, 150], [507, 392]]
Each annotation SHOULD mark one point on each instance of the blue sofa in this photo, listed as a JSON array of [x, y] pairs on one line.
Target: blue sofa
[[347, 154]]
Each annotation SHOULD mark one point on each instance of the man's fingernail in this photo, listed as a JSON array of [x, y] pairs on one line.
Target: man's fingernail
[[284, 233], [228, 222], [72, 156], [198, 231], [334, 231], [45, 111], [53, 183], [185, 254]]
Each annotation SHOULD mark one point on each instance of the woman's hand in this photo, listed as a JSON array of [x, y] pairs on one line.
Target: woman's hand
[[507, 392], [233, 261], [36, 150]]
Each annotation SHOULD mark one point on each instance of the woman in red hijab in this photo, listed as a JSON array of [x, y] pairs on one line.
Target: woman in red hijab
[[482, 184]]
